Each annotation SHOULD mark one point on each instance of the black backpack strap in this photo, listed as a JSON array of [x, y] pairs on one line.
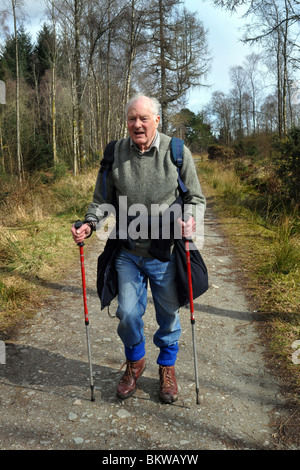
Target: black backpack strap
[[106, 164], [177, 156]]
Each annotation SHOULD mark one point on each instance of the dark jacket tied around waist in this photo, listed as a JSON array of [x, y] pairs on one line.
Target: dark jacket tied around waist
[[161, 249]]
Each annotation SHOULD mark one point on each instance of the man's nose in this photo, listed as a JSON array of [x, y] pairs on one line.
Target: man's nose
[[138, 123]]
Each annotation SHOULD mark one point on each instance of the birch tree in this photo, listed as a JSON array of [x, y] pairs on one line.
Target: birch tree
[[14, 5], [238, 79], [251, 67], [53, 57]]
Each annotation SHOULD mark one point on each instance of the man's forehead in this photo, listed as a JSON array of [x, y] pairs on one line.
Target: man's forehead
[[141, 107], [135, 112]]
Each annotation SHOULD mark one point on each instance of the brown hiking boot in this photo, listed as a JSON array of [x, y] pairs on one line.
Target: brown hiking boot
[[168, 385], [127, 384]]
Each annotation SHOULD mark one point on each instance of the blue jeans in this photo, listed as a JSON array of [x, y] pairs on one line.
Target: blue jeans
[[133, 275]]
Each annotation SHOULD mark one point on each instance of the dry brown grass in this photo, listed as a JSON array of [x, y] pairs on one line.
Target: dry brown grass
[[269, 252], [35, 241]]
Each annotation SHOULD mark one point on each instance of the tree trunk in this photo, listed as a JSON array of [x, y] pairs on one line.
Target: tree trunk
[[19, 152], [163, 99], [98, 117], [108, 101], [75, 146], [79, 88], [74, 121], [131, 57], [285, 70], [2, 159], [53, 84]]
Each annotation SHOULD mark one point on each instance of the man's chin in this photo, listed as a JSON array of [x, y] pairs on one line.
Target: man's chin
[[139, 140]]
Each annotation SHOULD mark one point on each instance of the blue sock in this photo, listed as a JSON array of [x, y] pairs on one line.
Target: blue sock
[[168, 355]]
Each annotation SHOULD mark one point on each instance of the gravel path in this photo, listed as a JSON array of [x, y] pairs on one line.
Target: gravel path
[[44, 386]]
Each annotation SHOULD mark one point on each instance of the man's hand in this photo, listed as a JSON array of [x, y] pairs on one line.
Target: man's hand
[[188, 227], [81, 233]]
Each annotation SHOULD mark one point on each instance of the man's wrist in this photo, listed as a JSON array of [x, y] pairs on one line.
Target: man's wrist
[[91, 224]]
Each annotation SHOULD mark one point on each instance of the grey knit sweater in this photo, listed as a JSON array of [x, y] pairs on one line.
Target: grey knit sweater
[[148, 178]]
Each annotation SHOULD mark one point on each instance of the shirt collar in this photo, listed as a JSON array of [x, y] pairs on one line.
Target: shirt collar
[[155, 143]]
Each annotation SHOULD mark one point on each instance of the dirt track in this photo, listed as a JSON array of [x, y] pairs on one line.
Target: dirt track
[[44, 386]]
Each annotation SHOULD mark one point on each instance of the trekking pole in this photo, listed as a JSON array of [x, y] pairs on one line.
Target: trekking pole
[[78, 224], [189, 273]]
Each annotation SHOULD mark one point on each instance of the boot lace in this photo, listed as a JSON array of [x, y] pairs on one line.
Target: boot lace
[[166, 377], [128, 372]]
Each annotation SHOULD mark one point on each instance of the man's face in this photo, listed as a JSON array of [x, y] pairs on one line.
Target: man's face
[[142, 123]]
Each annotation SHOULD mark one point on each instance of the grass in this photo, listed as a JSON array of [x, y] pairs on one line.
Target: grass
[[266, 240], [286, 247], [36, 247]]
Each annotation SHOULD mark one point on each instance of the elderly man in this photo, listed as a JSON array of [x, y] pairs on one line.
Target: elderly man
[[144, 172]]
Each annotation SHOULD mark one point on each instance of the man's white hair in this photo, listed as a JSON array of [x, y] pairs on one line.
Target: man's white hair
[[155, 105]]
